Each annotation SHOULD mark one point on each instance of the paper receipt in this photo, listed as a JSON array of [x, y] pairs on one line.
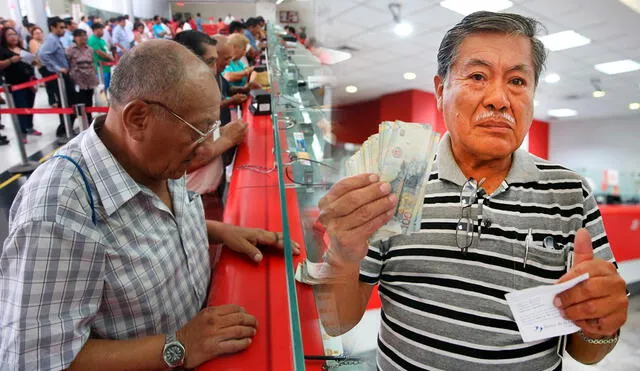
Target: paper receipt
[[536, 316]]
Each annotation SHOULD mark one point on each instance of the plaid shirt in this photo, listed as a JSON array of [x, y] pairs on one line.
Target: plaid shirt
[[140, 270]]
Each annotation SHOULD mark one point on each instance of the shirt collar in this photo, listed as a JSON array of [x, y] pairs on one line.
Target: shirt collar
[[115, 186], [523, 168]]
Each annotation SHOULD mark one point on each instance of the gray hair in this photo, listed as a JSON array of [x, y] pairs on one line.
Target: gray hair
[[477, 22], [155, 70]]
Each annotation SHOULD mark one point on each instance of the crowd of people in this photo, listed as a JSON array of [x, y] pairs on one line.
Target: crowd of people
[[85, 51]]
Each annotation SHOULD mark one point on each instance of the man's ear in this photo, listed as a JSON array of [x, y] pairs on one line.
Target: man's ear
[[134, 119], [438, 84]]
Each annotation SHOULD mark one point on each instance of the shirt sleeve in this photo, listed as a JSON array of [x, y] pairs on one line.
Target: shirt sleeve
[[592, 221], [371, 265], [51, 282]]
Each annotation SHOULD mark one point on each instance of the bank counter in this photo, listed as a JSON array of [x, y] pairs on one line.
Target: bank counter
[[287, 163]]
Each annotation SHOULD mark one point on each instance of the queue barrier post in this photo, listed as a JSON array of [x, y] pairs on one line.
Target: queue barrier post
[[25, 164], [68, 125], [81, 112]]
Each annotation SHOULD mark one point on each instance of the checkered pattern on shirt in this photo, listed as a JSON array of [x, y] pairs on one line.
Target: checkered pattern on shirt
[[140, 271]]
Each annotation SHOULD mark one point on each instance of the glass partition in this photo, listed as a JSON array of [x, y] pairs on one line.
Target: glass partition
[[309, 162]]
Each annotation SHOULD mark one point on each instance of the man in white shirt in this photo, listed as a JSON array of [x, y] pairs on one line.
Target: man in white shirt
[[84, 25], [128, 28]]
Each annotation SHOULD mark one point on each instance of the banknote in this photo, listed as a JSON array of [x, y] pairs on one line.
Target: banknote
[[401, 154]]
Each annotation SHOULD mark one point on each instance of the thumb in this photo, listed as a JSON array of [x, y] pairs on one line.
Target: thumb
[[582, 248]]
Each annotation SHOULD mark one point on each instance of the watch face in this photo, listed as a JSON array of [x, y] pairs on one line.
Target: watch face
[[173, 354]]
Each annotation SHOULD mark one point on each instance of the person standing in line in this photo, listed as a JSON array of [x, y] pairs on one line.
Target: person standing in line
[[198, 22], [159, 32], [85, 24], [128, 28], [101, 53], [120, 39], [37, 39], [18, 71], [139, 35], [70, 26], [82, 70], [55, 61]]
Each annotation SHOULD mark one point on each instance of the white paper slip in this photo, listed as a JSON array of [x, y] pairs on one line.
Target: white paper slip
[[536, 316], [27, 57]]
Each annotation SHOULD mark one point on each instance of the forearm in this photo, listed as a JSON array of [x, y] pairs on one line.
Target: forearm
[[103, 54], [139, 354], [234, 76], [239, 89], [213, 231], [586, 353], [226, 102], [216, 149], [348, 299]]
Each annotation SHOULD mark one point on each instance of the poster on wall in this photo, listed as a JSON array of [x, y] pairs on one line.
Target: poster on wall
[[287, 16]]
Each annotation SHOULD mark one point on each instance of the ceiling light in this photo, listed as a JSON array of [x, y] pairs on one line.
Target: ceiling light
[[633, 4], [634, 106], [564, 40], [598, 93], [278, 2], [552, 78], [403, 29], [562, 112], [466, 7], [351, 89], [612, 68], [410, 76]]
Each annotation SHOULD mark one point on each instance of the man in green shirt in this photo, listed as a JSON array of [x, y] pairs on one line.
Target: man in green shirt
[[101, 52]]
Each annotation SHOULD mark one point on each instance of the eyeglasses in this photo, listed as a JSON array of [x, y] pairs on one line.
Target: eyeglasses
[[203, 135], [471, 191]]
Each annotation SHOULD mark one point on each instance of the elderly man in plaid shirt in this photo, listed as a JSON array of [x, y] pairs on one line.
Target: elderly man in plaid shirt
[[106, 265]]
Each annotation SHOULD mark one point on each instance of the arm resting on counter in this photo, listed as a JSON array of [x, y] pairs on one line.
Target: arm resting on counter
[[139, 354]]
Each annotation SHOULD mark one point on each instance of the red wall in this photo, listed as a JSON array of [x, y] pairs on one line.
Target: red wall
[[354, 123], [539, 139]]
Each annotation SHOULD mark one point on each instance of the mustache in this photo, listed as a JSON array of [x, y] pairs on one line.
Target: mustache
[[498, 116]]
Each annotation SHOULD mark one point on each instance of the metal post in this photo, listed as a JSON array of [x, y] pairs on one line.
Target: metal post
[[81, 112], [25, 165], [68, 125]]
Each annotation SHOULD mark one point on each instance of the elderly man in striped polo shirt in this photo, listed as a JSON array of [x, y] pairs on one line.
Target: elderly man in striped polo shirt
[[442, 291]]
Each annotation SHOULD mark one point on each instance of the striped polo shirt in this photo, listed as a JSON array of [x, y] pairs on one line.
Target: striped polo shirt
[[442, 309]]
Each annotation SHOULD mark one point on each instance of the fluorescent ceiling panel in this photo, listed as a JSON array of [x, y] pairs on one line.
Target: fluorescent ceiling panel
[[612, 68], [466, 7], [564, 40]]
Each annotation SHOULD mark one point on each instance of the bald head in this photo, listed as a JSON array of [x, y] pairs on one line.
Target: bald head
[[160, 70], [224, 53]]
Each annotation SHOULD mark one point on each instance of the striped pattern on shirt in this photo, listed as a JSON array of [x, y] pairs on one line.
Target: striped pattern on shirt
[[442, 309]]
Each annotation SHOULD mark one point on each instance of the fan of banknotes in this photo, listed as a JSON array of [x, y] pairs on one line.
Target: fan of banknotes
[[402, 154]]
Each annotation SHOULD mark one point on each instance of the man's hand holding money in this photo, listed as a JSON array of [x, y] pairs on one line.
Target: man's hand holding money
[[352, 210]]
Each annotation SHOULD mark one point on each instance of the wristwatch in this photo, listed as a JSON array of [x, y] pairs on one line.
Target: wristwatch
[[173, 352]]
